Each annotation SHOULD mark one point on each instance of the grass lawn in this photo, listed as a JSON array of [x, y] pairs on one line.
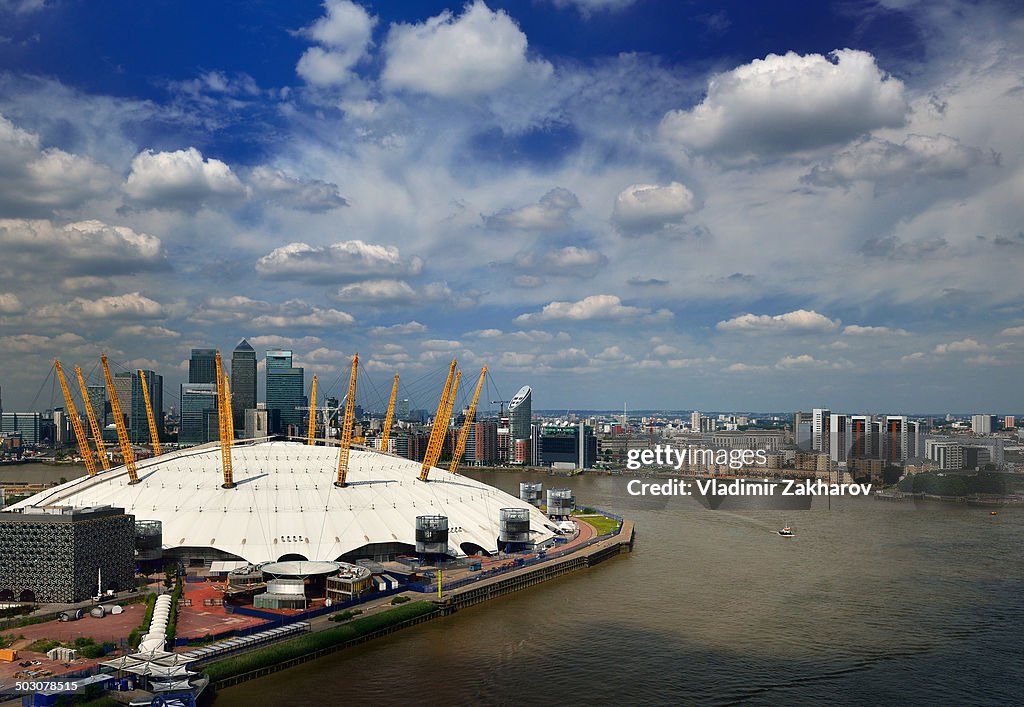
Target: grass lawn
[[603, 524]]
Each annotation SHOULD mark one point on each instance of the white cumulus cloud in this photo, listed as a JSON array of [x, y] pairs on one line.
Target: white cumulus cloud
[[183, 178], [343, 35], [88, 247], [967, 345], [35, 180], [476, 53], [798, 321], [643, 208], [338, 262], [132, 305], [592, 307], [789, 103]]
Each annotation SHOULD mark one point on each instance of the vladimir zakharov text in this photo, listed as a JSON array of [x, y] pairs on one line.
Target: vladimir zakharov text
[[667, 455], [745, 487]]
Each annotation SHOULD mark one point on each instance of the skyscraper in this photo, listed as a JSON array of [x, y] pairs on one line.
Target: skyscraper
[[863, 443], [839, 437], [197, 400], [895, 439], [983, 424], [202, 366], [520, 414], [285, 384], [98, 400], [139, 426], [243, 382], [819, 439], [123, 389]]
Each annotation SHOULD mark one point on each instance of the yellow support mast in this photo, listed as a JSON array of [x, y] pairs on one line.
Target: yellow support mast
[[441, 419], [385, 434], [311, 427], [122, 431], [97, 433], [460, 447], [83, 443], [153, 434], [230, 407], [223, 417], [346, 426]]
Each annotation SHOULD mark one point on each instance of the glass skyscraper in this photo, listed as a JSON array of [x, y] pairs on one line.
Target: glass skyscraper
[[139, 426], [243, 382], [197, 401], [520, 416], [202, 366], [285, 385]]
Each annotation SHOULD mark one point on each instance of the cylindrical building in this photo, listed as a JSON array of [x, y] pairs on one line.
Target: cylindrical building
[[148, 540], [432, 535], [514, 525], [530, 492], [560, 503]]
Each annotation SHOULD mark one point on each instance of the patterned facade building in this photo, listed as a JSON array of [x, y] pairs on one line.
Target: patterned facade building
[[57, 554]]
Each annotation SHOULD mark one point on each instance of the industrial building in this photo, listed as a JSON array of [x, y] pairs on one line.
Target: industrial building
[[286, 506], [59, 553]]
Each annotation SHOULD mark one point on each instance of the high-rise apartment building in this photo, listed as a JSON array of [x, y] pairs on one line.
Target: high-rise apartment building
[[895, 439], [520, 415], [983, 424], [863, 444], [819, 438], [485, 450], [839, 437]]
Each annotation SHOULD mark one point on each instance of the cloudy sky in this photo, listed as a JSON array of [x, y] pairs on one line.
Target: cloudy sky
[[721, 205]]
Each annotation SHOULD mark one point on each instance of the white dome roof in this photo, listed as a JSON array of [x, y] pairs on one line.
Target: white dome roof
[[285, 501]]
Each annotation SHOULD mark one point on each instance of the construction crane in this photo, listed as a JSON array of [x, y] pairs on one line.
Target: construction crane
[[122, 431], [83, 443], [385, 434], [97, 433], [311, 428], [501, 407], [153, 435], [224, 420], [346, 425], [460, 446], [440, 428]]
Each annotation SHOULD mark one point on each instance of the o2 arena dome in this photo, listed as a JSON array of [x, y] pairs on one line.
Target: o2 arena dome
[[285, 505]]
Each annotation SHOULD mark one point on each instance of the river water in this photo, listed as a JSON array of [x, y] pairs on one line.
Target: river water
[[871, 603]]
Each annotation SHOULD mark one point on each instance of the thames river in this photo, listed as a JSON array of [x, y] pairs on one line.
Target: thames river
[[871, 603]]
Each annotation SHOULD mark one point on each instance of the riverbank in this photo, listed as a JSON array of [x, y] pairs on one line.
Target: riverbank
[[294, 652]]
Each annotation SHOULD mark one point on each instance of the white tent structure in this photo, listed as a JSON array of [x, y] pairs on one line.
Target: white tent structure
[[286, 506]]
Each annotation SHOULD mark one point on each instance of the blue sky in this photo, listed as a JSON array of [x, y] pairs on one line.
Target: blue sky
[[719, 205]]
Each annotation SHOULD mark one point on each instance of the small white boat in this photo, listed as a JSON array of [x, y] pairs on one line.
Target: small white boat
[[787, 532]]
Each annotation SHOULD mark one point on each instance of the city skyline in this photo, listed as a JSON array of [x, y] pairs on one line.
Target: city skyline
[[719, 209]]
